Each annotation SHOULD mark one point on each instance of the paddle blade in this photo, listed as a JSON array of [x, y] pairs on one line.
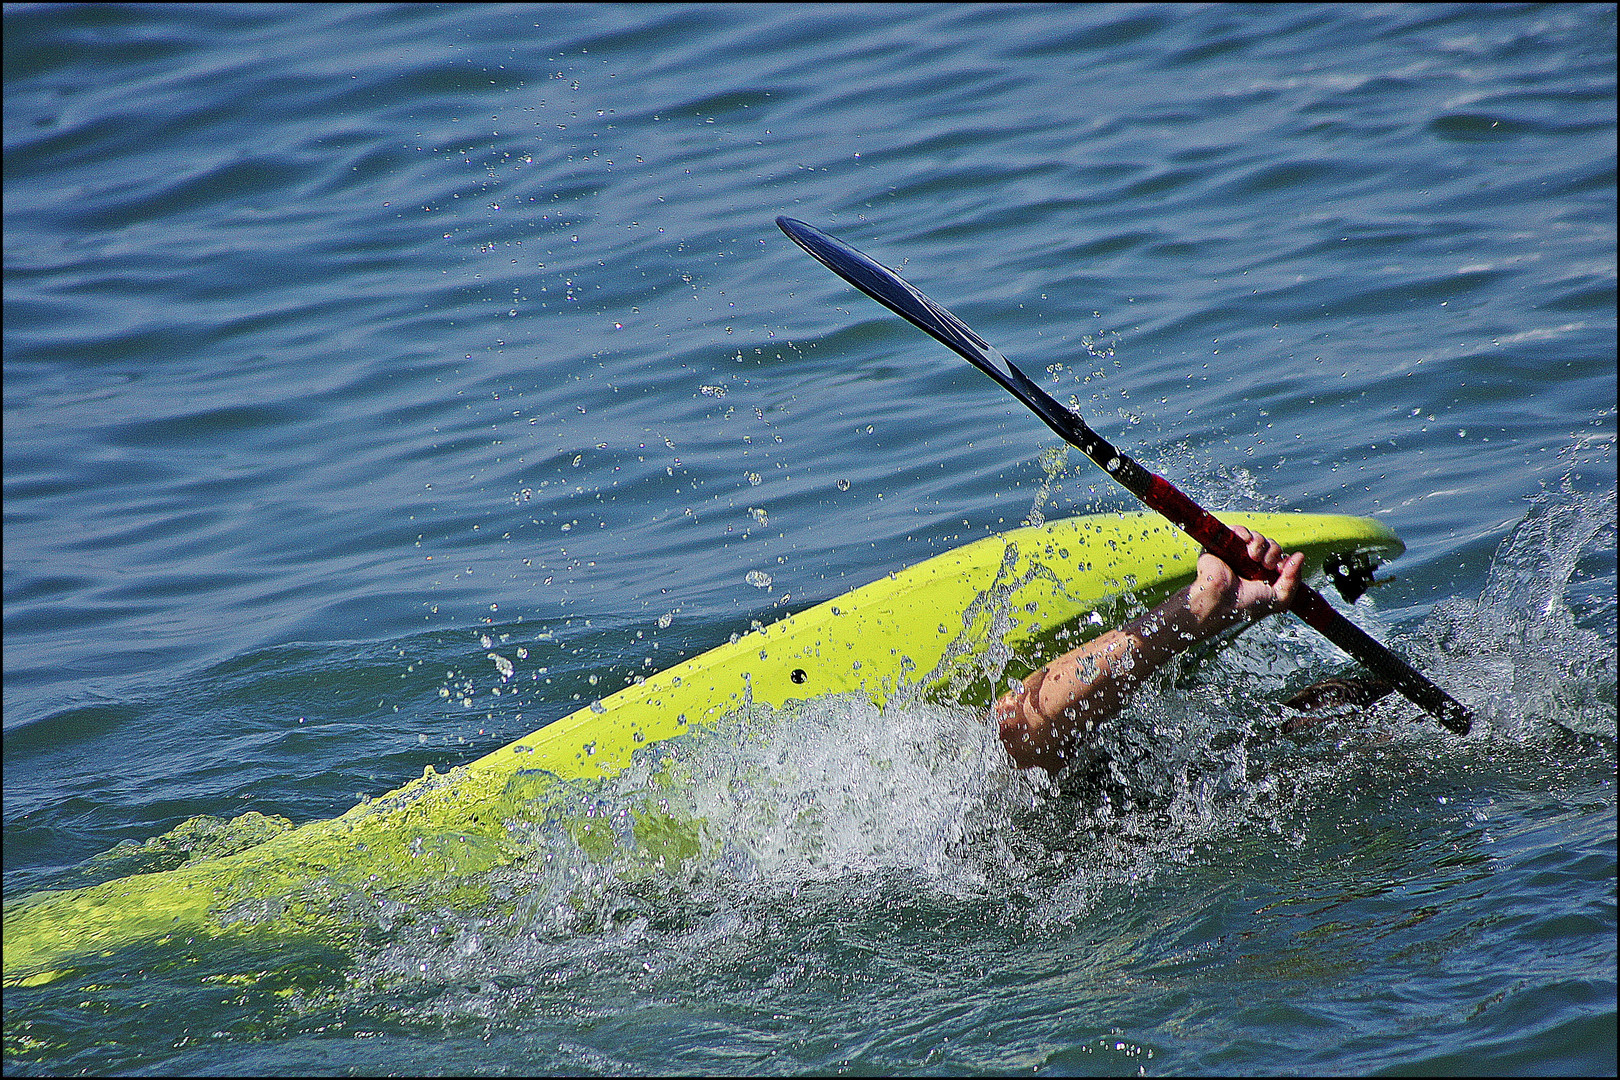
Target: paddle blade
[[895, 293]]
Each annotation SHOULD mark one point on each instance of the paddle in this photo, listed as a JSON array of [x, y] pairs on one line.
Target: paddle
[[888, 289]]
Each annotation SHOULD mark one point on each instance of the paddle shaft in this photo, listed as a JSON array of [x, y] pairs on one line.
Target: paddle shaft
[[899, 296], [1311, 606]]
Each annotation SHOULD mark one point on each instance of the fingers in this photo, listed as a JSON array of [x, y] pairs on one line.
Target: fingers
[[1288, 575], [1264, 550], [1268, 554], [1261, 549]]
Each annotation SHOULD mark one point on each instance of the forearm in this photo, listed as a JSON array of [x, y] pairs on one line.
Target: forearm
[[1058, 705], [1044, 720]]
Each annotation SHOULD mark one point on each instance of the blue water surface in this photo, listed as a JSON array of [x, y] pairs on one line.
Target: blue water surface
[[339, 338]]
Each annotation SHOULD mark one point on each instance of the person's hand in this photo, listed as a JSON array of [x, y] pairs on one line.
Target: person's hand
[[1220, 595]]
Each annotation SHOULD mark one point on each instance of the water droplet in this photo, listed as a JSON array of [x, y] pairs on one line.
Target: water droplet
[[758, 579], [753, 479], [842, 485]]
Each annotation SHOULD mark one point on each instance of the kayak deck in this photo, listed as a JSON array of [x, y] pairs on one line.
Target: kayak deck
[[925, 626]]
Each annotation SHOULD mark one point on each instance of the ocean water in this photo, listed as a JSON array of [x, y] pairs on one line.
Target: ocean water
[[339, 338]]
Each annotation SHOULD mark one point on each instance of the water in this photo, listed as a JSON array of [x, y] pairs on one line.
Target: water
[[337, 339]]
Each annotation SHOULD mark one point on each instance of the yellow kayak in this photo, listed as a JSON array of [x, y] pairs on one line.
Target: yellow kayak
[[434, 842]]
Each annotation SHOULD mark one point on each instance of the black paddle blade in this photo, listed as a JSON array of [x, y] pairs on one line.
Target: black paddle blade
[[891, 290], [1333, 699], [895, 293]]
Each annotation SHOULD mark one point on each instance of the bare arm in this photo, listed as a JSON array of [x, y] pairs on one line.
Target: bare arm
[[1045, 719]]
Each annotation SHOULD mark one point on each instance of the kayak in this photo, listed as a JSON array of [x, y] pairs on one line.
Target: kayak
[[938, 630]]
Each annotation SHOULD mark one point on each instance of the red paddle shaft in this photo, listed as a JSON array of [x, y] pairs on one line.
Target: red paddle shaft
[[1217, 538]]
